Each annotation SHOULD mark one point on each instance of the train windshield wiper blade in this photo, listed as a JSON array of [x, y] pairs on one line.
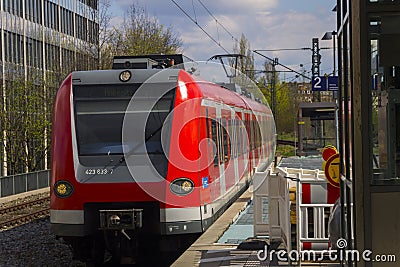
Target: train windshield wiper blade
[[122, 159]]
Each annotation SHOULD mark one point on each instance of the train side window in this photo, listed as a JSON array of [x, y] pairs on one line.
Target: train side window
[[207, 127], [238, 137], [225, 141], [240, 131], [248, 141], [214, 138], [231, 134], [220, 143], [255, 133], [247, 146], [251, 132], [258, 133], [255, 127]]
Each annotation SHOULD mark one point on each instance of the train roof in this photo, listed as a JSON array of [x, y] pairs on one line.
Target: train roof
[[144, 66], [228, 94]]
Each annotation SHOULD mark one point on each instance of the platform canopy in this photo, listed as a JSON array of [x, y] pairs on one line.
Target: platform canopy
[[317, 110]]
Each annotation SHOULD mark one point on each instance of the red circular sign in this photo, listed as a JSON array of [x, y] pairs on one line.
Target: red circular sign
[[331, 170], [328, 151]]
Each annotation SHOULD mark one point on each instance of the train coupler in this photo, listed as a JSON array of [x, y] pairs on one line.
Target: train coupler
[[125, 234], [127, 219]]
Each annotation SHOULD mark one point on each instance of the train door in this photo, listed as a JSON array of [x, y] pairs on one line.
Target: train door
[[239, 144], [206, 160], [235, 146], [249, 148], [253, 142], [227, 141], [213, 154], [244, 145]]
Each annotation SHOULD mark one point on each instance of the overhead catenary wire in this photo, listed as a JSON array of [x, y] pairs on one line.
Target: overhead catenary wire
[[216, 20], [194, 11], [198, 25], [227, 31], [286, 67]]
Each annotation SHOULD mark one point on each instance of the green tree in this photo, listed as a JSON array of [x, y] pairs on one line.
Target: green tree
[[287, 104], [140, 34], [286, 99], [25, 120], [245, 63]]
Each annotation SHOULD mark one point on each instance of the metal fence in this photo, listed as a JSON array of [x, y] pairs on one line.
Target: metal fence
[[19, 183]]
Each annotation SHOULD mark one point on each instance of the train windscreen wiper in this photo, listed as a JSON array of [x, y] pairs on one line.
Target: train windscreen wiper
[[122, 159]]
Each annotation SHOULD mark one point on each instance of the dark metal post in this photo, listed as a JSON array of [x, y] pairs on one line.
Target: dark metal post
[[300, 130], [273, 89], [334, 52], [316, 57], [316, 61]]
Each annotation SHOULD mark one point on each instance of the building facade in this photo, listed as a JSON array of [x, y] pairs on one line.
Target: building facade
[[41, 41]]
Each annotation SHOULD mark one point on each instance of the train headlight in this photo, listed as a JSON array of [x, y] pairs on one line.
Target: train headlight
[[182, 186], [125, 76], [63, 189]]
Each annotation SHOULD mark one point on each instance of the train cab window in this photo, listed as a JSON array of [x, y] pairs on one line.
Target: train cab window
[[99, 116]]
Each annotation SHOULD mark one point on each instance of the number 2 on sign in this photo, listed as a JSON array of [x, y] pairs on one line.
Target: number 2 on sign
[[317, 83]]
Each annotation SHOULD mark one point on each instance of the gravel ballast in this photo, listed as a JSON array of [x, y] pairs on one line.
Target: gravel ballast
[[32, 244]]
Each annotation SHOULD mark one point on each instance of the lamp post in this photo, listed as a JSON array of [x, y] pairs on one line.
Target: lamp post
[[332, 36]]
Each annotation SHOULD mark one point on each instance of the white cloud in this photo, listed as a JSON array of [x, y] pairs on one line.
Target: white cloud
[[239, 6]]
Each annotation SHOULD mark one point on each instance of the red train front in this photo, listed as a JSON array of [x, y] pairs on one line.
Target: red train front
[[147, 158]]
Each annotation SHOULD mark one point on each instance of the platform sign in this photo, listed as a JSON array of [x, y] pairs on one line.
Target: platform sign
[[325, 83], [319, 83], [333, 83]]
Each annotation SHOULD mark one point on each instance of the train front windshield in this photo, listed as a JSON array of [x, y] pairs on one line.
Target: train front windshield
[[99, 116]]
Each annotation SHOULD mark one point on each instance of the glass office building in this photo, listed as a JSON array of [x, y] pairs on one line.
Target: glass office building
[[41, 41], [47, 34]]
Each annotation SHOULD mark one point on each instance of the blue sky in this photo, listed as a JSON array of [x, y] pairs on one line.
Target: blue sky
[[267, 24]]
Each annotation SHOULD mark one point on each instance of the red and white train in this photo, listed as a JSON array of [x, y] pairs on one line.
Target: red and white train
[[143, 153]]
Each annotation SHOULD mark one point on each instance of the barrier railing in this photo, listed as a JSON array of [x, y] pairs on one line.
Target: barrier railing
[[19, 183], [314, 203], [272, 207], [260, 202]]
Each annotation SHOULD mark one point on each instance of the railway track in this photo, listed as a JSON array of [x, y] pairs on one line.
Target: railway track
[[24, 212]]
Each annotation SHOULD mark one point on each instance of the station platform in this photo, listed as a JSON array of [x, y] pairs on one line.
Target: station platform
[[207, 251], [11, 198], [230, 240]]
